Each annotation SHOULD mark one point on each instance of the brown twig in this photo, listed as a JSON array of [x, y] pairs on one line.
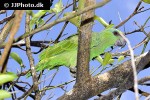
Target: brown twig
[[61, 32], [119, 90], [32, 43], [23, 90], [134, 13], [13, 31], [58, 86], [31, 60], [6, 29], [2, 11], [7, 19], [25, 94]]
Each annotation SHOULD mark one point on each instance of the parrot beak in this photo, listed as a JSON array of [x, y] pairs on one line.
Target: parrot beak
[[120, 43]]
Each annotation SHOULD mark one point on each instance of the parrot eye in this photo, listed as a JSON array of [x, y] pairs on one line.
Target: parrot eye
[[115, 33]]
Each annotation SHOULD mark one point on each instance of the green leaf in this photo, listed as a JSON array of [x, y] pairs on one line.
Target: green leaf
[[36, 17], [120, 58], [32, 22], [30, 12], [17, 58], [40, 22], [58, 7], [99, 58], [110, 61], [107, 57], [7, 77], [39, 14], [75, 20], [4, 94], [146, 1]]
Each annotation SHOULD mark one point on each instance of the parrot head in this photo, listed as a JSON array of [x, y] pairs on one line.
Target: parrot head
[[121, 41], [114, 35]]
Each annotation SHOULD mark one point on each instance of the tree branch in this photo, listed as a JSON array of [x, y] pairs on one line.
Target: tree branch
[[83, 56], [13, 31], [110, 79], [6, 29], [134, 13], [31, 60]]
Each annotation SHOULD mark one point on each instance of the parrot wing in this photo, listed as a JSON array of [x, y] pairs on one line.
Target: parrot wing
[[63, 53]]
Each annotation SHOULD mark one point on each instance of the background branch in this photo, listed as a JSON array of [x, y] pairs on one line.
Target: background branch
[[31, 61], [47, 26], [13, 31]]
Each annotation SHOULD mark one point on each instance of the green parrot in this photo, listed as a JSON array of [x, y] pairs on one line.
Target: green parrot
[[64, 53]]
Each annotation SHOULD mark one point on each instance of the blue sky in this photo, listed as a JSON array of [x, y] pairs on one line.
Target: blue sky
[[108, 12]]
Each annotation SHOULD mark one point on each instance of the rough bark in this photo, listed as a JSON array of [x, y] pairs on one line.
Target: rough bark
[[85, 31], [112, 79]]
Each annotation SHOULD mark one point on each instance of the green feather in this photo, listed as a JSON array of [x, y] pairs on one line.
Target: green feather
[[64, 53]]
